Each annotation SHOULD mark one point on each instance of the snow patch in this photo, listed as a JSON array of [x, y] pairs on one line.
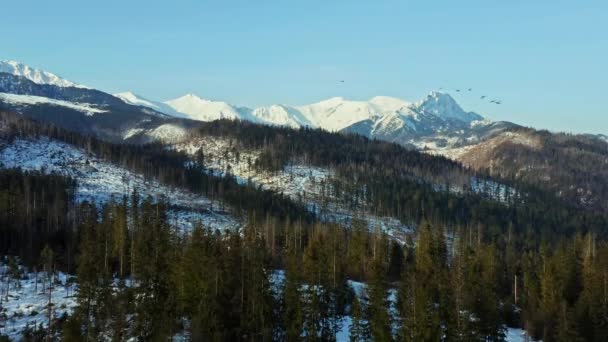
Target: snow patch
[[99, 181], [305, 184], [86, 108], [26, 304]]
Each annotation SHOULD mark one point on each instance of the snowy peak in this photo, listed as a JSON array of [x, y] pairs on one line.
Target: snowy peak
[[390, 104], [280, 115], [196, 108], [137, 100], [337, 113], [444, 106], [435, 120], [35, 75], [332, 114], [132, 98]]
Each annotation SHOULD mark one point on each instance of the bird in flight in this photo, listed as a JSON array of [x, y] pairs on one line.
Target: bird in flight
[[482, 97], [470, 89]]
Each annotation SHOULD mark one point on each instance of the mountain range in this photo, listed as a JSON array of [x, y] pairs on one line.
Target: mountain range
[[435, 123]]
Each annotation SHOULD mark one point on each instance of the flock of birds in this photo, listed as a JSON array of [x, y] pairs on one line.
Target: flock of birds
[[482, 97]]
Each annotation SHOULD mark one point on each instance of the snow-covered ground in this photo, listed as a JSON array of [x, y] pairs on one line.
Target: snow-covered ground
[[493, 190], [518, 335], [26, 304], [360, 290], [99, 181], [86, 108], [302, 183]]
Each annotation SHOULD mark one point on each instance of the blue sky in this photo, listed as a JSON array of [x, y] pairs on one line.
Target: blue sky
[[546, 60]]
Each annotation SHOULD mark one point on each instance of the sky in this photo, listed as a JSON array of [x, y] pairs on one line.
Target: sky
[[546, 60]]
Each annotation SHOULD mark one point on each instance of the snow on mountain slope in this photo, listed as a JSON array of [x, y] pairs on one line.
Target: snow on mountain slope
[[333, 114], [337, 113], [25, 301], [444, 106], [302, 183], [99, 181], [386, 104], [280, 115], [137, 100], [86, 108], [167, 133], [36, 75], [196, 108], [434, 122]]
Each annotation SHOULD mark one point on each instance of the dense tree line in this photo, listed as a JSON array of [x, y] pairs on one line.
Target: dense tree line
[[393, 181], [155, 161], [472, 267], [573, 166], [140, 277], [35, 210]]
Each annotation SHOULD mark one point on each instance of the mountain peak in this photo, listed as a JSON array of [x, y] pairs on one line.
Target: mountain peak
[[35, 75], [389, 104], [332, 100], [439, 97], [200, 109], [190, 98], [444, 106]]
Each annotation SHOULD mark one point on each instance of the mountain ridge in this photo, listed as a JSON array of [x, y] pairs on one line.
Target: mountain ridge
[[36, 75], [434, 122]]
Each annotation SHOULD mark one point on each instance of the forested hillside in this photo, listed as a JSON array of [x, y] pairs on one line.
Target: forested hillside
[[483, 254], [574, 167]]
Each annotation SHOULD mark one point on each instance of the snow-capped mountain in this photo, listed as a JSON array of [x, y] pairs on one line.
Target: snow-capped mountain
[[46, 97], [280, 115], [196, 108], [35, 75], [436, 121], [138, 100]]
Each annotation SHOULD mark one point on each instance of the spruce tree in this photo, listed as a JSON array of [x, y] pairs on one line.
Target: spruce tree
[[359, 329]]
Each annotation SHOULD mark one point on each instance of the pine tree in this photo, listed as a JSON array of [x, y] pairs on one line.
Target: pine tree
[[47, 257], [292, 301], [380, 321], [566, 329], [359, 329]]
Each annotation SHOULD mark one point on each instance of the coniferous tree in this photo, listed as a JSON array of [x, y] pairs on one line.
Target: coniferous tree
[[359, 329], [292, 298], [380, 322]]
